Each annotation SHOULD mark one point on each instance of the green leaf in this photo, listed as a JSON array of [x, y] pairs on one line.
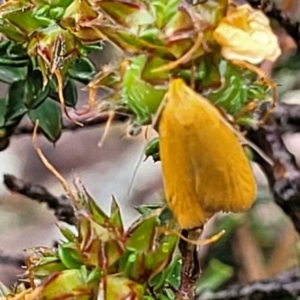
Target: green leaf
[[50, 119], [119, 288], [98, 214], [34, 90], [2, 111], [147, 264], [142, 97], [82, 70], [70, 93], [115, 216], [15, 101], [47, 266], [239, 87], [67, 233], [70, 255], [142, 236], [11, 32], [146, 209], [152, 149], [126, 14], [94, 275], [16, 51], [214, 276], [67, 284], [26, 21], [170, 275], [9, 74]]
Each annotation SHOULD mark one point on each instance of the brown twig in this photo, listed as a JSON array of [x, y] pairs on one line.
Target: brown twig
[[272, 11], [284, 176], [287, 117], [11, 260], [190, 270], [283, 286], [62, 206], [87, 121]]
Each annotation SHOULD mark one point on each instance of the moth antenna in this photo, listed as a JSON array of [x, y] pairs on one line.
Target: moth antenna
[[252, 145], [183, 59], [49, 166], [61, 96], [211, 240], [259, 152], [135, 171], [111, 115], [248, 142]]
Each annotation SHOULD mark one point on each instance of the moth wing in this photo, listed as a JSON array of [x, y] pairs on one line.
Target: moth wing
[[204, 167], [224, 179]]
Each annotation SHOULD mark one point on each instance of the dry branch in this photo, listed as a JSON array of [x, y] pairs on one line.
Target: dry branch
[[61, 206]]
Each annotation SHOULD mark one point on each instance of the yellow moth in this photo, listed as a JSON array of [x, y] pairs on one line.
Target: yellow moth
[[205, 169]]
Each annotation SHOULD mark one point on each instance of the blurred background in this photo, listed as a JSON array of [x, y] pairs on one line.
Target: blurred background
[[264, 244]]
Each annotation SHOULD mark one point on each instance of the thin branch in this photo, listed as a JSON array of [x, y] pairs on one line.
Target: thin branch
[[272, 11], [284, 176], [190, 270], [11, 260], [87, 121], [287, 117], [284, 286], [62, 206]]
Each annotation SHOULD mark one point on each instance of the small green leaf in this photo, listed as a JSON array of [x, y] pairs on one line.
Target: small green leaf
[[115, 216], [50, 119], [70, 93], [214, 276], [94, 275], [34, 90], [16, 51], [70, 255], [2, 111], [126, 14], [67, 233], [152, 149], [82, 70], [15, 101], [9, 74], [47, 266], [146, 209], [141, 238], [11, 32], [119, 288], [67, 284], [141, 97], [98, 214], [170, 275], [26, 21], [237, 90]]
